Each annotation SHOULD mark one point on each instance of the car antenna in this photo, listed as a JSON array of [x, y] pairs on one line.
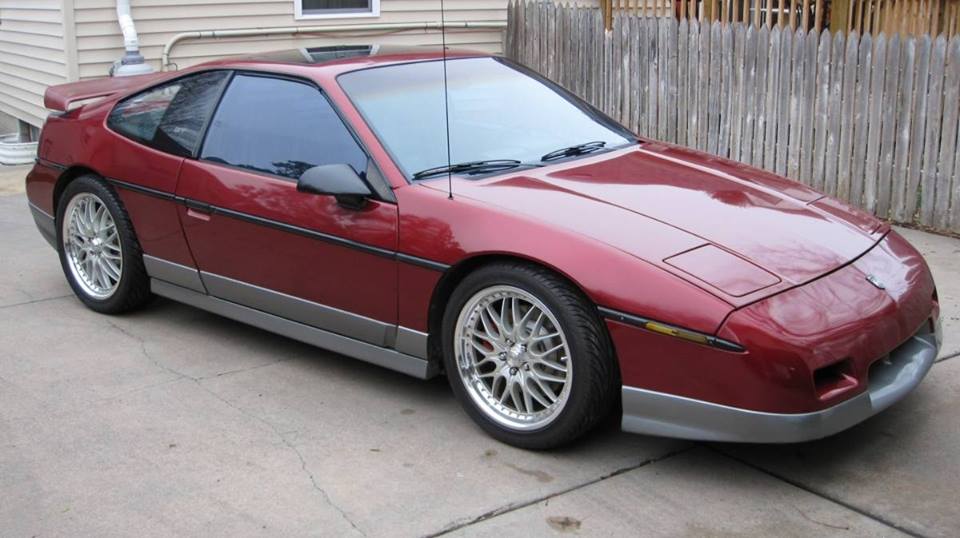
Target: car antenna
[[446, 98]]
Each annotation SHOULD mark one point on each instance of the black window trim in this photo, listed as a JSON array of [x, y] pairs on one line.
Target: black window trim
[[167, 82], [384, 194], [569, 96]]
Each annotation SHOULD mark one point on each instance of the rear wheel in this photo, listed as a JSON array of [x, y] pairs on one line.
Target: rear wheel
[[526, 356], [99, 252]]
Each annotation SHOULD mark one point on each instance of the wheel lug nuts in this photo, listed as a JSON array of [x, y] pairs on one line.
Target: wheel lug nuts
[[513, 370]]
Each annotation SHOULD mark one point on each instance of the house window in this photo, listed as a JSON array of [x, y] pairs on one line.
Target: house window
[[324, 9]]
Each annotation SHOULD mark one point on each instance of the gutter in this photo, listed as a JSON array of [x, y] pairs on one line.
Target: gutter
[[132, 62], [295, 30]]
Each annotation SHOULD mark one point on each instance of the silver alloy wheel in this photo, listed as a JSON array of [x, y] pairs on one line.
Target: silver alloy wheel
[[513, 358], [92, 246]]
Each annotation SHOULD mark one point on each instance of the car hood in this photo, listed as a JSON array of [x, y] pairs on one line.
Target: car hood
[[732, 228]]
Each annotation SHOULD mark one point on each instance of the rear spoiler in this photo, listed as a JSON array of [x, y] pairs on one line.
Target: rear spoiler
[[62, 96]]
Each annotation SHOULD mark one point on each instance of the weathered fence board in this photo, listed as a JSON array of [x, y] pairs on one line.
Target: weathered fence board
[[847, 114], [683, 57], [954, 76], [918, 130], [788, 66], [693, 84], [948, 139], [805, 143], [760, 103], [726, 90], [905, 112], [888, 129], [932, 138], [746, 105], [875, 110], [703, 87], [871, 119], [817, 160], [833, 127], [772, 103]]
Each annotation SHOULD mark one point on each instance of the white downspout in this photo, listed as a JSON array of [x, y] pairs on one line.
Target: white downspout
[[132, 62]]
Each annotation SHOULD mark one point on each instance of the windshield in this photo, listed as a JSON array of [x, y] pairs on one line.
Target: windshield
[[497, 111]]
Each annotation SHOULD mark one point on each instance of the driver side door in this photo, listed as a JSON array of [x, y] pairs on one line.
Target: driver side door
[[259, 242]]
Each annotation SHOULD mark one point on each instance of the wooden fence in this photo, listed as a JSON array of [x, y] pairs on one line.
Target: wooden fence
[[906, 17], [871, 120]]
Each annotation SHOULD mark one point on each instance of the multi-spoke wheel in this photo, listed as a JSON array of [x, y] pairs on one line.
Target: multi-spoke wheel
[[527, 356], [513, 357], [92, 245], [98, 249]]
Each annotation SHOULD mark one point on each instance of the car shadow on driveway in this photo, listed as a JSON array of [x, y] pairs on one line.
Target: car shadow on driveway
[[900, 467]]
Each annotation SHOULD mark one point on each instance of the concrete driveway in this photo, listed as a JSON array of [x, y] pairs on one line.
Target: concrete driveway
[[172, 421]]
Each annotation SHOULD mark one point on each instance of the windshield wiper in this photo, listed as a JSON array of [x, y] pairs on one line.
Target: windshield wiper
[[474, 167], [579, 149]]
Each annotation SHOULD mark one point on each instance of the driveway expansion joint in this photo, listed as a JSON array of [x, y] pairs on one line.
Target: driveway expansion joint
[[35, 301], [506, 509], [822, 495], [948, 357], [282, 436]]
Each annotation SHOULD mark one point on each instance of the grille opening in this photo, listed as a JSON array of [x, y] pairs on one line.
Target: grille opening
[[834, 379]]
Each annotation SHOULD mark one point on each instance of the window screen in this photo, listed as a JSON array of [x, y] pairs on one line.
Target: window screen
[[279, 127], [320, 7]]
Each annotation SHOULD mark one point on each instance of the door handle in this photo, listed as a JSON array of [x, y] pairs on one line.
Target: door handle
[[198, 207], [198, 210]]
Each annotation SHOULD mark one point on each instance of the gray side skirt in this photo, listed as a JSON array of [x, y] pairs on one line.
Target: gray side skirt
[[384, 344], [387, 358]]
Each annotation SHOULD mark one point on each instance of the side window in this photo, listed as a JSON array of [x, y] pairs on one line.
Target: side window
[[139, 116], [279, 127], [170, 118]]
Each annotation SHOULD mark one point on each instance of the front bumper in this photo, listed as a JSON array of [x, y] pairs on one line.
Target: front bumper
[[891, 378]]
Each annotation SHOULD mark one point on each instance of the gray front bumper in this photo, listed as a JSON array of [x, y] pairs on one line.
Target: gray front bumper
[[667, 415]]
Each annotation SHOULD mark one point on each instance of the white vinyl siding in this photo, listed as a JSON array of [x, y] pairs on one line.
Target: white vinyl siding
[[32, 56], [46, 42], [99, 42]]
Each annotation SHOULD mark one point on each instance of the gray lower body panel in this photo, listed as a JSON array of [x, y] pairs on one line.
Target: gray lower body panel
[[370, 340], [668, 415], [381, 356], [174, 273], [46, 224], [297, 309]]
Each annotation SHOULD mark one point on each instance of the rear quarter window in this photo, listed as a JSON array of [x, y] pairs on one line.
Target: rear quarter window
[[171, 117]]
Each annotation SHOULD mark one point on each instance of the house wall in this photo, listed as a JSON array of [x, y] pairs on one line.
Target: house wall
[[99, 42], [32, 55], [46, 42]]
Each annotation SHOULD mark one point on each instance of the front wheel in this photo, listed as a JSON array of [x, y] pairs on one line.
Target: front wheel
[[527, 356]]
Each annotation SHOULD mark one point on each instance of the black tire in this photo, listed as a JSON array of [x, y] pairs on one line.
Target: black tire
[[595, 382], [133, 288]]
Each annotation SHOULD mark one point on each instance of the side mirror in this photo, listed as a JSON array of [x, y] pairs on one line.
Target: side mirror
[[338, 180]]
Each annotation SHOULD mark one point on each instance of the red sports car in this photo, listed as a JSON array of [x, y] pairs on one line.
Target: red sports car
[[553, 264]]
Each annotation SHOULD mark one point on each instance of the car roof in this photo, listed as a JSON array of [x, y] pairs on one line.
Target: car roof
[[338, 59]]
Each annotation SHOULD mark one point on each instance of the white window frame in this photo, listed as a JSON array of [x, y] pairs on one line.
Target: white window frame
[[300, 15]]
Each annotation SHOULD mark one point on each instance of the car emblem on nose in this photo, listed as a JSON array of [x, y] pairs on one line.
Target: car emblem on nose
[[876, 282]]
